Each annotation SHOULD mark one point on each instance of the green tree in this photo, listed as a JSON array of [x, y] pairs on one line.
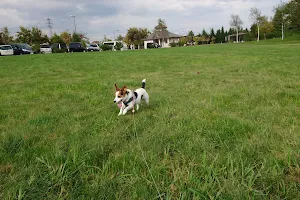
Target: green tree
[[56, 39], [204, 33], [76, 37], [5, 37], [183, 41], [237, 23], [66, 37], [218, 36], [222, 35], [38, 37], [24, 35], [197, 39], [136, 35], [266, 27], [279, 18], [190, 36], [256, 18], [294, 15], [212, 35], [120, 38]]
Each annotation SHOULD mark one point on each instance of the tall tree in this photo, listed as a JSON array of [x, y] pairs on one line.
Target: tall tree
[[5, 36], [218, 36], [120, 38], [24, 35], [266, 26], [136, 35], [256, 18], [190, 36], [279, 18], [56, 39], [237, 23], [76, 37], [212, 35], [204, 33], [38, 37], [294, 15], [66, 38], [223, 35]]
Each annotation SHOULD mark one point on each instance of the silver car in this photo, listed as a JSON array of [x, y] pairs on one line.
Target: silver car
[[93, 47], [45, 48]]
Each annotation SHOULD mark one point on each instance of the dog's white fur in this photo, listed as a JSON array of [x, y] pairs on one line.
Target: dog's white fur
[[136, 101]]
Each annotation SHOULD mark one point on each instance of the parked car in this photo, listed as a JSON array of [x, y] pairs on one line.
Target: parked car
[[6, 50], [59, 48], [113, 44], [153, 45], [93, 47], [45, 48], [22, 48], [76, 47]]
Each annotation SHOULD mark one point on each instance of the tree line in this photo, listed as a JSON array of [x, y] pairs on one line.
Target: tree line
[[34, 37]]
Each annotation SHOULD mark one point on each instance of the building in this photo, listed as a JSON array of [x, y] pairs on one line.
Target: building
[[232, 38], [161, 36]]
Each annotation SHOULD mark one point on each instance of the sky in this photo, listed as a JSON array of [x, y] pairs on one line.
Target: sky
[[97, 18]]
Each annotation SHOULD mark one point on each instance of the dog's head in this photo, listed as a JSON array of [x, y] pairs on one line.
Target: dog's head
[[120, 94]]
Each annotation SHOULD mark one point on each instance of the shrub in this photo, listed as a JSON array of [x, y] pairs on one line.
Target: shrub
[[36, 48], [106, 47], [118, 46], [173, 44], [56, 50]]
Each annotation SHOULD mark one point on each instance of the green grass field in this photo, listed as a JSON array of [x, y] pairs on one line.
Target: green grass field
[[223, 123]]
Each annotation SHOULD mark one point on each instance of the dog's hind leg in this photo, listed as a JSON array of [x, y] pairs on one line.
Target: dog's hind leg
[[146, 97]]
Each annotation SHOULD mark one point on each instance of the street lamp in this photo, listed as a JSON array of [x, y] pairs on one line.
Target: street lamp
[[282, 28], [74, 22], [115, 34]]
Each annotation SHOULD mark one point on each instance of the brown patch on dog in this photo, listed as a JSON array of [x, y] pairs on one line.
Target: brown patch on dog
[[123, 90]]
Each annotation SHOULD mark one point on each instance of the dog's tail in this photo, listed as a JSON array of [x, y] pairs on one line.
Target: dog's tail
[[144, 83]]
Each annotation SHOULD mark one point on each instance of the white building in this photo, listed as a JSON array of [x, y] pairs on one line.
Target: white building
[[161, 37]]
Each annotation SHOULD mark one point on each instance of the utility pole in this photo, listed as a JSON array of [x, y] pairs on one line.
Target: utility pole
[[73, 16], [115, 34], [49, 25]]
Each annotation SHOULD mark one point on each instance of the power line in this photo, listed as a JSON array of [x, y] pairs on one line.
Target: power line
[[49, 25]]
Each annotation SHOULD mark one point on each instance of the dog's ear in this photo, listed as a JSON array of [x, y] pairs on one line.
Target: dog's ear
[[117, 89], [123, 89]]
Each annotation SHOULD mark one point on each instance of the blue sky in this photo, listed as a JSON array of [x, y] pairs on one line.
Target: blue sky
[[97, 18]]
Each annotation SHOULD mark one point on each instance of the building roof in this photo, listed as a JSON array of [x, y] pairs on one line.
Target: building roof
[[160, 34], [235, 34]]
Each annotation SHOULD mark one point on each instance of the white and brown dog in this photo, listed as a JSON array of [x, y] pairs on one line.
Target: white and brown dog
[[127, 99]]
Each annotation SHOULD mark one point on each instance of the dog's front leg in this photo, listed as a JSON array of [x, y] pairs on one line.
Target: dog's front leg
[[121, 112], [127, 108]]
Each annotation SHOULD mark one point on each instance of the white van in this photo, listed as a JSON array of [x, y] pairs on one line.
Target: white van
[[113, 44]]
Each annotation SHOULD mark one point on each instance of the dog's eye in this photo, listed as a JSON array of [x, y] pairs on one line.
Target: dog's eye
[[119, 96]]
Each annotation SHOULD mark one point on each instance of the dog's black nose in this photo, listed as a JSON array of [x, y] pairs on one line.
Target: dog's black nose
[[114, 101]]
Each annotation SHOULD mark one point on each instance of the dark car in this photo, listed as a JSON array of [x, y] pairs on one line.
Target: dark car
[[59, 48], [76, 47], [153, 45], [22, 48]]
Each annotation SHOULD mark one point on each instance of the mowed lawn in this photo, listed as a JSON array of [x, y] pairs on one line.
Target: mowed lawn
[[223, 123]]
